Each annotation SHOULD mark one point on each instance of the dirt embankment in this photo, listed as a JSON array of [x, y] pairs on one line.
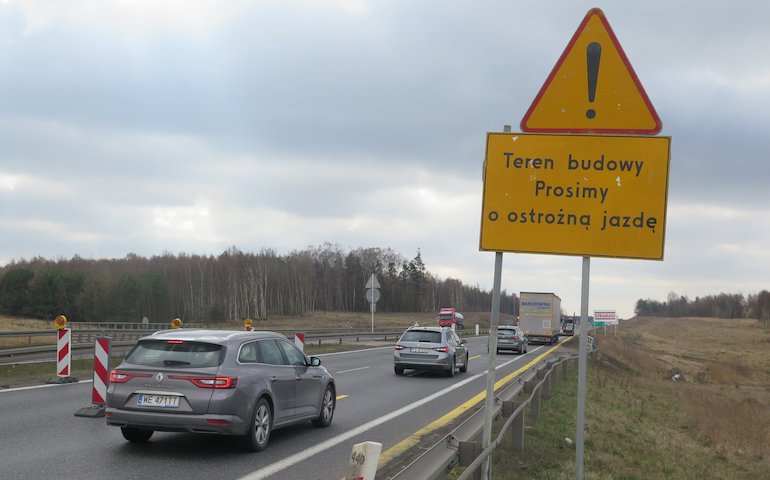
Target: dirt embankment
[[715, 372]]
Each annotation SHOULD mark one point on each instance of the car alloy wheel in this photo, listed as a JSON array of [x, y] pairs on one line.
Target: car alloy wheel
[[259, 433], [327, 409], [451, 371]]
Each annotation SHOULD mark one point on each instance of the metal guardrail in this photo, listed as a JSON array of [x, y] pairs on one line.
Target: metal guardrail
[[83, 339], [462, 447]]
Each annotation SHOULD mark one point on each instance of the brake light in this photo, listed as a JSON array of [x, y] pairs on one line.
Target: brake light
[[400, 347], [209, 382], [122, 377], [174, 341], [442, 349]]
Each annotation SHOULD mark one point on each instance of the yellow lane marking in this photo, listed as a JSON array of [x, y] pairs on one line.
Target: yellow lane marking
[[340, 397], [415, 438], [474, 358]]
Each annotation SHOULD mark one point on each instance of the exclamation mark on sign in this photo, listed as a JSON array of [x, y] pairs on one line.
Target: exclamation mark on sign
[[593, 55]]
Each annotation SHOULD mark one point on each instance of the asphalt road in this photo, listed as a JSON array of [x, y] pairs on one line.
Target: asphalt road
[[43, 439]]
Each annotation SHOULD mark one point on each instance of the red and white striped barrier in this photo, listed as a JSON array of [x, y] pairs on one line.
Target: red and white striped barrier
[[299, 341], [101, 370], [63, 353], [101, 379]]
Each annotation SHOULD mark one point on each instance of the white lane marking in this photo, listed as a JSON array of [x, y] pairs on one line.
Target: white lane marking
[[33, 387], [363, 350], [332, 442], [353, 369]]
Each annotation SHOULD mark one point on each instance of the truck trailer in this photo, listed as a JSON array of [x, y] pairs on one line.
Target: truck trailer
[[540, 316]]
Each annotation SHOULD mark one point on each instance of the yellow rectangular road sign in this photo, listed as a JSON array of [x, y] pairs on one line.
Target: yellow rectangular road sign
[[587, 195]]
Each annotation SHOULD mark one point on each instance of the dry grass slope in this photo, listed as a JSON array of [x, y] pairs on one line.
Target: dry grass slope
[[714, 374]]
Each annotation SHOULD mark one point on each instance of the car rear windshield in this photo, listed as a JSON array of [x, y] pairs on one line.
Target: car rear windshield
[[175, 353], [506, 331], [421, 336]]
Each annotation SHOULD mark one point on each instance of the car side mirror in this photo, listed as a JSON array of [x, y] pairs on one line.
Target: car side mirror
[[463, 342], [315, 362]]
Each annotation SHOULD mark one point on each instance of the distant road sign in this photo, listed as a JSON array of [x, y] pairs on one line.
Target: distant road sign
[[605, 317], [593, 88], [373, 295], [373, 282], [588, 195]]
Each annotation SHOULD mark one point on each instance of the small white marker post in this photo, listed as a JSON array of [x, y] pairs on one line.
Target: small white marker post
[[363, 460]]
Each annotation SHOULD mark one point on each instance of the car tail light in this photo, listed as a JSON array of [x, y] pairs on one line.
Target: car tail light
[[514, 337], [209, 382], [216, 421], [400, 347], [174, 341], [122, 377], [442, 349]]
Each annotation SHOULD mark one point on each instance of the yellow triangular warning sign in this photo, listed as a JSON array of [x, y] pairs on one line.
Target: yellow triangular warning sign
[[592, 88]]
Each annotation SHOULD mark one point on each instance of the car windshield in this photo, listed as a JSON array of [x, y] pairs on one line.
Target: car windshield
[[421, 336], [445, 316], [175, 353]]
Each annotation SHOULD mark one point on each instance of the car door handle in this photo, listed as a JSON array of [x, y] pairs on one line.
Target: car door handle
[[273, 379]]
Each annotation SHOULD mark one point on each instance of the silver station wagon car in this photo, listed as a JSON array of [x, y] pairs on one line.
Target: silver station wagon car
[[430, 348], [221, 382], [513, 338]]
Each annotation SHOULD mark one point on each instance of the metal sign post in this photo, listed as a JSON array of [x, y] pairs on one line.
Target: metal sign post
[[486, 438], [489, 401], [582, 372], [373, 295]]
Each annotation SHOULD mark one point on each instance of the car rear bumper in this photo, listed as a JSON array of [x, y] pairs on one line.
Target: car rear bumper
[[441, 363], [177, 422], [509, 346]]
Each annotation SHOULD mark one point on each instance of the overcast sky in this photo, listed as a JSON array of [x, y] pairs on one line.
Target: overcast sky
[[191, 126]]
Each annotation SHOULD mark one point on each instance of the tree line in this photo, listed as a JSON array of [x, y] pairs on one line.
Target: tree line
[[231, 286], [723, 305]]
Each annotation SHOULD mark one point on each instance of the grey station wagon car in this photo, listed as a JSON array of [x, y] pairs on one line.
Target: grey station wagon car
[[222, 382], [511, 338], [430, 348]]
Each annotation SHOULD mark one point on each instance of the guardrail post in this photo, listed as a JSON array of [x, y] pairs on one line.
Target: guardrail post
[[546, 388], [517, 429], [534, 405], [554, 375], [468, 453]]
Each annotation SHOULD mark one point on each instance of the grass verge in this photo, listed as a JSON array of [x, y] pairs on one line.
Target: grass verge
[[712, 422]]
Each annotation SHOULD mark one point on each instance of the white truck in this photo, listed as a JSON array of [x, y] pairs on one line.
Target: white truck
[[540, 316]]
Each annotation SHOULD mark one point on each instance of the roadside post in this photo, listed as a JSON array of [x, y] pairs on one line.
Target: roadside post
[[299, 341], [363, 461], [373, 295], [63, 352], [588, 176], [101, 377]]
